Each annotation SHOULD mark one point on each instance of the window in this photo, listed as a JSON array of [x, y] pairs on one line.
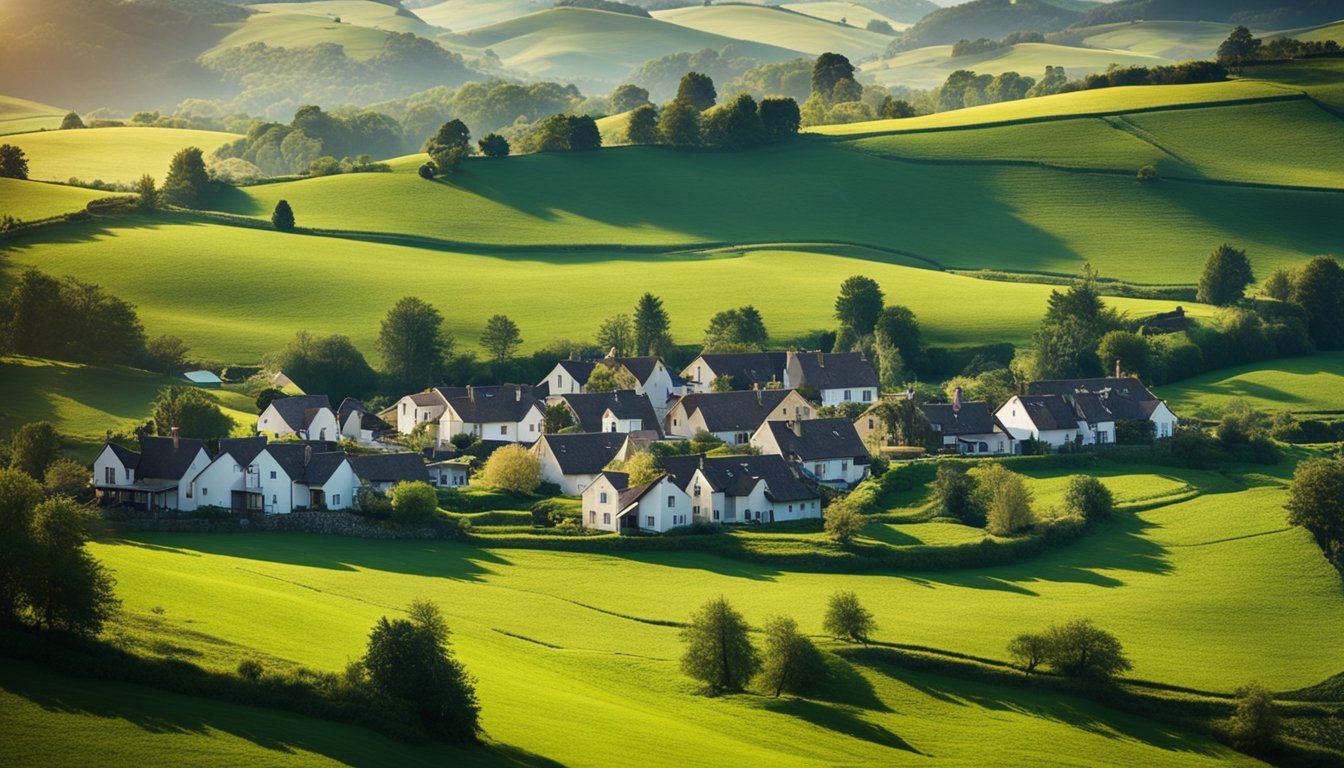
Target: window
[[606, 518], [742, 437], [871, 425], [716, 514], [602, 497], [128, 474], [559, 381], [671, 501], [847, 397], [335, 499], [613, 427], [674, 422], [504, 429], [867, 395], [697, 489], [189, 491], [273, 501], [695, 510], [844, 466], [403, 408], [443, 479], [272, 474], [649, 521], [592, 516], [532, 427], [790, 508], [819, 470], [109, 475]]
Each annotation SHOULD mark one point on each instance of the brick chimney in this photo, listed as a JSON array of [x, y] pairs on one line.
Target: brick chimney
[[956, 400], [176, 441]]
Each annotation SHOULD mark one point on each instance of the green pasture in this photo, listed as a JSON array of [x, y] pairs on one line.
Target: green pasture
[[301, 30], [1303, 385], [929, 67], [854, 14], [363, 13], [462, 15], [21, 115], [613, 128], [1174, 40], [110, 154], [31, 200], [782, 28], [1333, 31]]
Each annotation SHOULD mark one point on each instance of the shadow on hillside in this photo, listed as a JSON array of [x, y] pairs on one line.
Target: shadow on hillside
[[1253, 390], [161, 713], [840, 720], [433, 559], [726, 563]]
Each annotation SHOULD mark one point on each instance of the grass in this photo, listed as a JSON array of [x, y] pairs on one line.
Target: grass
[[613, 128], [462, 15], [1299, 385], [780, 27], [110, 154], [21, 115], [929, 67], [854, 14], [363, 27], [31, 201], [1174, 40]]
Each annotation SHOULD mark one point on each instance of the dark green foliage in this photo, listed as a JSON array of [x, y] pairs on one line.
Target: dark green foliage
[[413, 344], [718, 651], [696, 90], [880, 27], [740, 329], [1279, 284], [679, 125], [33, 447], [627, 97], [643, 125], [1088, 498], [566, 133], [1147, 173], [896, 109], [250, 669], [13, 162], [843, 521], [70, 320], [558, 417], [899, 328], [413, 503], [1239, 47], [780, 118], [1316, 502], [1081, 649], [494, 145], [830, 69], [66, 477], [1318, 287], [147, 195], [955, 490], [267, 396], [410, 665], [64, 586], [1066, 342], [859, 304], [651, 325], [790, 662], [282, 218], [427, 170], [330, 365], [187, 183], [70, 121], [847, 619], [501, 338], [983, 18], [193, 411], [1129, 348], [1227, 272], [449, 146], [735, 125], [19, 496], [1029, 650], [1255, 726]]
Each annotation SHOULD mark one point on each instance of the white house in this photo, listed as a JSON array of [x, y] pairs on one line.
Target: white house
[[413, 410], [1047, 418], [839, 377], [1113, 399], [158, 477], [746, 370], [289, 476], [624, 410], [743, 489], [357, 423], [657, 506], [574, 461], [829, 451], [568, 377], [734, 416], [506, 413], [222, 482], [308, 416], [381, 471], [968, 428], [450, 473]]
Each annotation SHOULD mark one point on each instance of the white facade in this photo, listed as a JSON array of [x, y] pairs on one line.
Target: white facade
[[865, 395], [832, 470], [601, 505], [353, 428], [409, 414], [612, 424], [1164, 421], [679, 424], [279, 494], [525, 431], [662, 507], [714, 506], [447, 474], [338, 492], [559, 382], [990, 444], [1014, 417], [322, 427], [214, 485], [108, 469], [658, 388]]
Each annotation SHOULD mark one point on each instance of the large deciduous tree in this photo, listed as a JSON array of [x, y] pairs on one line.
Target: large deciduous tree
[[187, 183], [642, 127], [1227, 272], [13, 162], [501, 338], [697, 90], [1316, 502], [679, 124], [413, 344], [194, 412], [790, 662], [736, 330], [859, 304], [830, 69], [719, 652], [847, 619], [331, 365], [1318, 287], [449, 146]]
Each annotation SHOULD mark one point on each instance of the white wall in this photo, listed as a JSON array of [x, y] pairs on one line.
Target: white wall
[[107, 458], [340, 488], [185, 502], [280, 494], [664, 507], [600, 505], [561, 383], [865, 395], [215, 484], [409, 414], [449, 477], [1164, 421]]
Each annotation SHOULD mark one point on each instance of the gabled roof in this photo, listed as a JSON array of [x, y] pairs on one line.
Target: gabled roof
[[619, 480], [292, 458], [817, 439], [486, 405], [126, 456], [836, 370], [427, 399], [738, 475], [389, 467], [641, 368], [1049, 412], [1104, 399], [161, 461], [734, 411], [367, 420], [241, 449], [631, 496], [322, 466], [348, 406], [578, 370], [974, 418], [584, 454], [298, 411], [747, 367], [626, 404]]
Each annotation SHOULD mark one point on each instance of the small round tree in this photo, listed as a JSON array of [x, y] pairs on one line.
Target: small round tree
[[1227, 272], [791, 663], [13, 162], [283, 216], [1029, 650], [1088, 498], [494, 145], [1005, 498], [71, 120], [847, 619], [843, 522], [512, 468], [428, 170], [1081, 649], [1255, 725], [413, 502], [718, 651]]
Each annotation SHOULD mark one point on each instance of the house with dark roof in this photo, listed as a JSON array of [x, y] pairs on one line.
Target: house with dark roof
[[568, 377], [573, 461], [1048, 418], [381, 471], [156, 477], [648, 376], [624, 410], [744, 489], [215, 484], [415, 409], [289, 476], [828, 451], [507, 413], [838, 377], [357, 423], [734, 417], [308, 416], [1112, 399], [611, 504], [746, 370]]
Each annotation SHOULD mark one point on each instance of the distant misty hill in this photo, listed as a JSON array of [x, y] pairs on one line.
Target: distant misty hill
[[1266, 14], [986, 18]]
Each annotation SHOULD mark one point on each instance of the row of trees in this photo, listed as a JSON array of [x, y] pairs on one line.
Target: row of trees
[[692, 119], [1242, 47]]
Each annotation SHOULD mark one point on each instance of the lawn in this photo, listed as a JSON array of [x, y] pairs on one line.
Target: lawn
[[21, 115], [302, 30], [852, 13], [31, 200], [780, 27], [1175, 40], [110, 154], [1299, 385], [462, 15]]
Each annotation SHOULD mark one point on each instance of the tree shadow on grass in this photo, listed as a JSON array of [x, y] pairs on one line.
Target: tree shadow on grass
[[839, 719]]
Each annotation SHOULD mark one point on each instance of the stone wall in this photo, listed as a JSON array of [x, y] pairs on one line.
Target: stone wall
[[334, 523]]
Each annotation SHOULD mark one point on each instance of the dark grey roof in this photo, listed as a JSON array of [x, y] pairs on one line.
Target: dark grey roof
[[578, 370], [817, 439], [390, 467], [641, 367], [1050, 412], [620, 480], [584, 454], [738, 475], [427, 398], [631, 496], [348, 406], [626, 404], [298, 411], [292, 458], [322, 466], [126, 456], [242, 449], [836, 370], [1105, 399], [974, 418], [161, 461], [748, 367], [734, 411], [485, 405]]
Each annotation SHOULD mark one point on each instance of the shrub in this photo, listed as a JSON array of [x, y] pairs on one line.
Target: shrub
[[250, 669], [371, 502], [847, 619], [1088, 498], [282, 218], [1147, 173], [791, 662], [843, 521], [413, 503], [1005, 498], [1080, 649], [428, 170], [461, 441], [549, 512], [955, 490], [512, 468], [1255, 726], [1029, 650], [66, 478]]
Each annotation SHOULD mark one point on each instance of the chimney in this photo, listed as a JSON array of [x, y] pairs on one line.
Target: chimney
[[471, 394], [797, 427], [616, 396], [760, 397], [611, 354], [956, 400], [307, 454], [176, 441], [821, 359], [517, 394], [1117, 367]]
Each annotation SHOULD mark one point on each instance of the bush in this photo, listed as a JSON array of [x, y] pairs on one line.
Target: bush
[[847, 619], [1255, 726], [1005, 498], [718, 650], [549, 512], [792, 663], [512, 468], [1147, 173], [66, 478], [371, 502], [955, 490], [1080, 649], [843, 521], [1029, 650], [413, 503], [1088, 498], [250, 669], [428, 170]]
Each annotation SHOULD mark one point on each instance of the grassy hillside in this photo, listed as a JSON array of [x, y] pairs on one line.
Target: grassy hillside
[[462, 15], [110, 154], [613, 128], [31, 200], [854, 14], [986, 18], [929, 67], [302, 30], [21, 115], [1333, 31], [1300, 385], [1175, 40], [782, 28], [583, 43]]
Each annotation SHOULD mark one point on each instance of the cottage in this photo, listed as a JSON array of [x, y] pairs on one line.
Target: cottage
[[828, 451], [507, 413], [450, 473], [413, 410], [968, 428], [745, 370], [308, 416], [221, 481], [381, 471], [838, 377], [657, 506], [1048, 418], [568, 377], [289, 476], [158, 477], [624, 410], [743, 489], [734, 416], [357, 423], [574, 461], [1111, 400]]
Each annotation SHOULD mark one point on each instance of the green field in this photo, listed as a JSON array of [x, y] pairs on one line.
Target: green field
[[781, 28], [21, 115], [31, 200], [929, 67], [854, 14], [1299, 385], [1173, 40], [110, 154], [462, 15], [301, 30]]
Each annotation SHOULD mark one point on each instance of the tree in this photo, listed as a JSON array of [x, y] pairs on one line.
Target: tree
[[790, 662], [843, 521], [896, 109], [501, 338], [1316, 502], [1147, 173], [65, 477], [1239, 47], [33, 448], [642, 127], [901, 330], [194, 412], [512, 468], [584, 135], [64, 586], [627, 97], [617, 333], [1080, 649], [1129, 348], [1052, 82], [718, 651], [1088, 498], [722, 383], [1005, 498], [187, 183], [410, 663], [679, 125], [13, 162], [955, 490], [413, 502], [449, 146], [890, 365], [331, 365], [1279, 284], [267, 396], [740, 329], [494, 145], [71, 121], [859, 304], [609, 378], [642, 467], [165, 354], [696, 90], [147, 195], [19, 496], [1255, 725], [1227, 272], [282, 218], [830, 69], [1065, 344], [413, 344], [1029, 650], [428, 170], [735, 125], [651, 325], [780, 118], [847, 619], [1318, 288], [557, 417]]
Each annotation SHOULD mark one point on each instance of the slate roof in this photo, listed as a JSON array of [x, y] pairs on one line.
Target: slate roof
[[126, 456], [640, 367], [584, 454], [390, 467], [1050, 412], [631, 496], [298, 411], [160, 461], [748, 367], [1104, 399], [734, 411], [836, 370], [819, 439], [292, 458], [620, 480], [974, 418], [578, 370], [486, 405], [242, 449], [625, 403], [322, 466], [424, 399], [738, 475], [367, 420]]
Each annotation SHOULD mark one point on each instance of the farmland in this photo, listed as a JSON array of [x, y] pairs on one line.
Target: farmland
[[21, 115], [30, 200], [928, 67], [1303, 385], [782, 28], [113, 155], [853, 14]]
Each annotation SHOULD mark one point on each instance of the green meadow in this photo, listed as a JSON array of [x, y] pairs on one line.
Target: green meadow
[[929, 67], [1175, 40], [1296, 384], [21, 115], [853, 14], [31, 200], [462, 15], [109, 154], [780, 27]]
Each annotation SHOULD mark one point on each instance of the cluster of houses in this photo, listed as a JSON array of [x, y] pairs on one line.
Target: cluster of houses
[[772, 407]]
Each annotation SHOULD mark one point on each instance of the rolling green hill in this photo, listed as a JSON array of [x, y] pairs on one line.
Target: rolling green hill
[[31, 200], [21, 115], [1174, 40], [929, 67], [1299, 385], [110, 154], [854, 14], [986, 18], [302, 30], [462, 15], [781, 28]]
